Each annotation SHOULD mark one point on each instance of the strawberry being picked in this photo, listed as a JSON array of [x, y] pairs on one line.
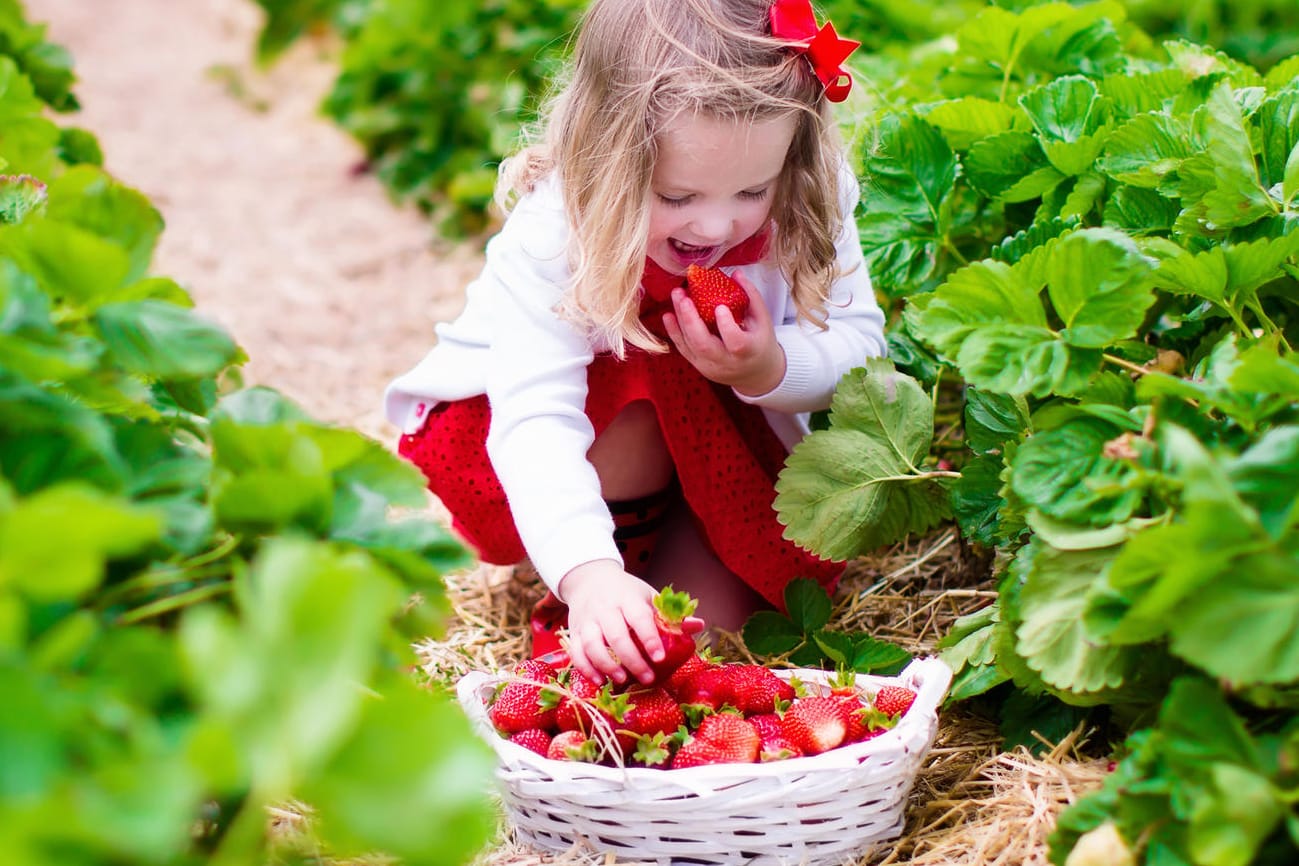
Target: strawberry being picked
[[671, 610], [710, 288]]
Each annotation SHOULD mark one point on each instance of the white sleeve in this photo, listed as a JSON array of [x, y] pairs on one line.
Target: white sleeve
[[816, 359], [536, 385]]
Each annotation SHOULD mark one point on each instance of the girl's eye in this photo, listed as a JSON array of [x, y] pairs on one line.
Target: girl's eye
[[754, 195], [674, 202]]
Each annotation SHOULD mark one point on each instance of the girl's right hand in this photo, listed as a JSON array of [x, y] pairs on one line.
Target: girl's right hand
[[606, 607]]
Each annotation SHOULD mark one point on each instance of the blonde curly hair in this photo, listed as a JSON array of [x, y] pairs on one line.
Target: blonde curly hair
[[637, 65]]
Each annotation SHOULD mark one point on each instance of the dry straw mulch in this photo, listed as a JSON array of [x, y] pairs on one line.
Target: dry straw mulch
[[972, 803]]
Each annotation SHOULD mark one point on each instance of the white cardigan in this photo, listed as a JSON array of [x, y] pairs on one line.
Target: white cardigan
[[510, 344]]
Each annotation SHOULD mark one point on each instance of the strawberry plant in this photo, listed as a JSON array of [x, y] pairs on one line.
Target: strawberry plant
[[1089, 243], [206, 608]]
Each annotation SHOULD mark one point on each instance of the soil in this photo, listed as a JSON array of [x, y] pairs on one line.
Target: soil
[[328, 285]]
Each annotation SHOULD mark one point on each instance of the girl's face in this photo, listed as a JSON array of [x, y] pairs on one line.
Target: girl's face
[[712, 186]]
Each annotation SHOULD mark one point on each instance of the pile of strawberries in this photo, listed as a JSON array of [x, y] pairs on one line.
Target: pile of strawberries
[[697, 711]]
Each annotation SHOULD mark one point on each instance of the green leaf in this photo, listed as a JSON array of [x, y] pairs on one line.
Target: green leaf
[[56, 544], [872, 655], [1010, 166], [1228, 828], [1066, 474], [70, 264], [966, 120], [1063, 109], [1146, 150], [808, 604], [984, 293], [91, 200], [1018, 360], [1098, 284], [992, 418], [163, 341], [856, 486], [768, 633], [1238, 197], [282, 677], [410, 779], [1052, 636]]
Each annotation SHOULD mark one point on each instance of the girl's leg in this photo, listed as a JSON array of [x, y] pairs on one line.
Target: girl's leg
[[684, 560], [630, 456]]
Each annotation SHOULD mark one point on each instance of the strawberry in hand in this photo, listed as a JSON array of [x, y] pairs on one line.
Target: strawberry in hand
[[672, 609], [710, 288]]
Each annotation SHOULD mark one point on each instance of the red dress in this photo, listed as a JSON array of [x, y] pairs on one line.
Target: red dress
[[726, 457]]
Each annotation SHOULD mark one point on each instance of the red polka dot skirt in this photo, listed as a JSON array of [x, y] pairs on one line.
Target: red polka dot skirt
[[726, 457]]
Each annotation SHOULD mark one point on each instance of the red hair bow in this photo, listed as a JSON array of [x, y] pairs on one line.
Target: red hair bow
[[825, 50]]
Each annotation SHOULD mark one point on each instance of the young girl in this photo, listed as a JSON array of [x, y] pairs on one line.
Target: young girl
[[579, 412]]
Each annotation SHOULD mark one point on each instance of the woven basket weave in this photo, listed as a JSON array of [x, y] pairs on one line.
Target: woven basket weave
[[826, 809]]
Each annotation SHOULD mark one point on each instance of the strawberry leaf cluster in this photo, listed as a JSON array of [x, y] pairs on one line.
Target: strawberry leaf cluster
[[1091, 246], [205, 607]]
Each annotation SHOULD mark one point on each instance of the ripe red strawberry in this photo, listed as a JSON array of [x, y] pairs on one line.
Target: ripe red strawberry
[[649, 711], [572, 715], [756, 689], [894, 700], [734, 737], [815, 724], [710, 288], [573, 746], [670, 610], [533, 738], [697, 753], [712, 687], [525, 702], [681, 676], [767, 725]]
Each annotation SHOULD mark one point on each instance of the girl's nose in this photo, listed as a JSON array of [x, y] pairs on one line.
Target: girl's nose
[[712, 227]]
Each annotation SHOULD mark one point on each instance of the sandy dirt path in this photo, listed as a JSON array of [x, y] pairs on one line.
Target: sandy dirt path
[[329, 287]]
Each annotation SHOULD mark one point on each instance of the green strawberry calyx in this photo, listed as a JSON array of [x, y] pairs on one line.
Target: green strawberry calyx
[[674, 606]]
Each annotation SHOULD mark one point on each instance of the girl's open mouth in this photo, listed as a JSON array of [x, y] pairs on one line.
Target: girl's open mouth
[[690, 254]]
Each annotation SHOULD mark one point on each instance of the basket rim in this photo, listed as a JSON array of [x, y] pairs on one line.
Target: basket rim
[[929, 675]]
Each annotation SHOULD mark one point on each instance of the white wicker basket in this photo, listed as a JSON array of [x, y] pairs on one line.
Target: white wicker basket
[[831, 808]]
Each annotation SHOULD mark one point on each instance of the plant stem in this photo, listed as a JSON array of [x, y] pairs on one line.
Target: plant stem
[[173, 602], [1135, 369]]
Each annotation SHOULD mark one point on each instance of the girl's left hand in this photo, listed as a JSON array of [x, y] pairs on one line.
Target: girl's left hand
[[744, 355]]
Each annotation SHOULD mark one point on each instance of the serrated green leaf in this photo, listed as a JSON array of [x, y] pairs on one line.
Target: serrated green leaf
[[808, 604], [837, 646], [1066, 474], [56, 544], [872, 655], [1098, 284], [768, 633], [1019, 360], [976, 498], [411, 778], [1139, 212], [70, 264], [20, 195], [971, 118], [1238, 197], [855, 486], [1146, 150], [91, 200], [1228, 828], [992, 418], [1011, 166], [160, 340], [983, 293], [1052, 636], [1062, 110]]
